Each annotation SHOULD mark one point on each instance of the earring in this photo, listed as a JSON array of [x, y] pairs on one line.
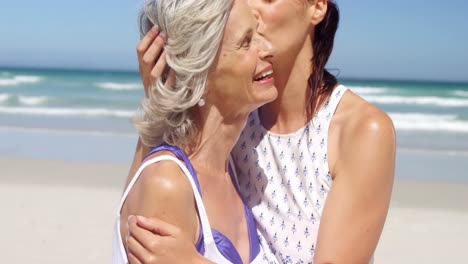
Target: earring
[[201, 102]]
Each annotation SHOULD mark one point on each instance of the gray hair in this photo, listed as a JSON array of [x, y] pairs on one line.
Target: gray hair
[[195, 30]]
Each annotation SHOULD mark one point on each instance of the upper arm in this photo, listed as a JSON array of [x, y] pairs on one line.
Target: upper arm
[[357, 204], [163, 192]]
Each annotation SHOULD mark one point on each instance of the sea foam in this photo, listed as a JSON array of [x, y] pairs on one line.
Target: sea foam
[[4, 97], [32, 100], [428, 122], [460, 93], [418, 100], [67, 112], [361, 90], [119, 86], [20, 79]]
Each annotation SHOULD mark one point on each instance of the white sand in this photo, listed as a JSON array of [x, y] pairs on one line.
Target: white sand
[[63, 212], [52, 213], [427, 223]]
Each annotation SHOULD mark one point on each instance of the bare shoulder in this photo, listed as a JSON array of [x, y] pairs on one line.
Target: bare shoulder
[[363, 122], [363, 138], [161, 182], [166, 175]]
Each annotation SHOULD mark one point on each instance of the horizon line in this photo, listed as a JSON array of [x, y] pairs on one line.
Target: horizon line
[[123, 70]]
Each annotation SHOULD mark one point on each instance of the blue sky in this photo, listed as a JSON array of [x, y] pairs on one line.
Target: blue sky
[[397, 39]]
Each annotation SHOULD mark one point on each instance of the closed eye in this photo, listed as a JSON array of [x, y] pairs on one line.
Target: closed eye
[[246, 42]]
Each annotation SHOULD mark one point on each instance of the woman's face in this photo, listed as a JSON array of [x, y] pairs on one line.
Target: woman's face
[[285, 23], [241, 79]]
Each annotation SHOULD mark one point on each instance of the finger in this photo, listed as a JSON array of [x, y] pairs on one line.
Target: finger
[[156, 72], [147, 40], [132, 259], [154, 50], [171, 78], [131, 220], [144, 237], [137, 252], [157, 226], [158, 69]]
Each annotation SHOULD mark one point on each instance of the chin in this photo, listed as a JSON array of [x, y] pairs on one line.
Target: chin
[[266, 96]]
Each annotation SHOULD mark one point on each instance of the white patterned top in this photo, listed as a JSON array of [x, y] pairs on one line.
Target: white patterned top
[[285, 179]]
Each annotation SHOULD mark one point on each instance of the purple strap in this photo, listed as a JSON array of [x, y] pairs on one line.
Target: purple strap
[[180, 155]]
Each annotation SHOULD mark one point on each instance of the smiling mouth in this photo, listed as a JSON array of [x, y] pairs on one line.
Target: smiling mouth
[[263, 75]]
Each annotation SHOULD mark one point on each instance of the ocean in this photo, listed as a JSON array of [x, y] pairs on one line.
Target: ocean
[[85, 115]]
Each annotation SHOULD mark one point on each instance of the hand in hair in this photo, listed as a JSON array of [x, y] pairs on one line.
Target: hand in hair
[[152, 58]]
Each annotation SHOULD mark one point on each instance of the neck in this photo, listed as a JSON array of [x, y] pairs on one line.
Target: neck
[[217, 135], [289, 111]]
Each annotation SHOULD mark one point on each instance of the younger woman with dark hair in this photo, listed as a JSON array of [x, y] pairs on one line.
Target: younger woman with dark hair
[[316, 165]]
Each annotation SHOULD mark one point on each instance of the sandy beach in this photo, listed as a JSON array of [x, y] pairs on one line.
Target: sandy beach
[[63, 212], [58, 212]]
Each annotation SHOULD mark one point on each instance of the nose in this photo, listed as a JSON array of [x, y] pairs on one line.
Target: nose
[[265, 49]]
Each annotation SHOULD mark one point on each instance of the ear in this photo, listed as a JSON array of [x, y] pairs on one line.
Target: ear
[[318, 10]]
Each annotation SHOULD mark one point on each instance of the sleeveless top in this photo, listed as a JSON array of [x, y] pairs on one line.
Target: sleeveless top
[[211, 244], [285, 179]]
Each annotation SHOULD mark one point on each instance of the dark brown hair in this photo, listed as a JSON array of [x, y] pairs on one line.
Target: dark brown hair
[[321, 81]]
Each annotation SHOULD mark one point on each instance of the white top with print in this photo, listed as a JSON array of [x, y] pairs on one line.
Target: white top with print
[[285, 179]]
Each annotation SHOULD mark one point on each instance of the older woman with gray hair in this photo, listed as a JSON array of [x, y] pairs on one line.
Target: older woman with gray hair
[[192, 122]]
